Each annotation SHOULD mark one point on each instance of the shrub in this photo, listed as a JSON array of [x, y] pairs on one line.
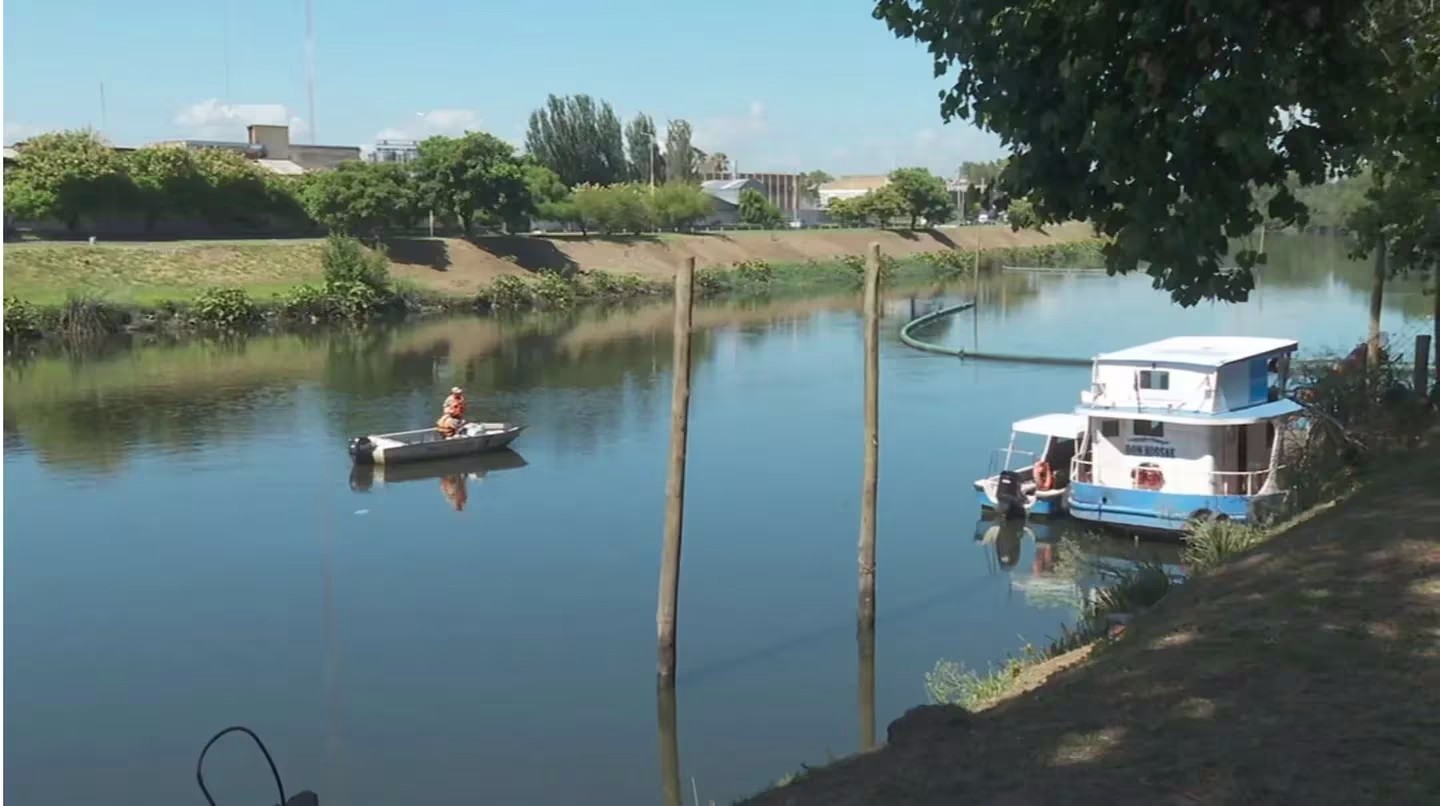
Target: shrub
[[346, 260], [85, 318], [22, 320], [1209, 543], [856, 265], [950, 263], [950, 683], [508, 292], [226, 308], [599, 283], [305, 301], [711, 281], [337, 299], [754, 271], [554, 291]]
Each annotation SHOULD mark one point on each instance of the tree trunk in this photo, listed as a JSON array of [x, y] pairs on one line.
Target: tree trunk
[[1377, 299], [1435, 322]]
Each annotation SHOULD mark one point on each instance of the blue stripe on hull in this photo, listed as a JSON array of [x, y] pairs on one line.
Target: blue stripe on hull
[[1161, 511]]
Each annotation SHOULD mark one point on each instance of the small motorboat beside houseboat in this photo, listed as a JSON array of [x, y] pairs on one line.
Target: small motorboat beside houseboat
[[429, 443], [1183, 429], [1022, 482]]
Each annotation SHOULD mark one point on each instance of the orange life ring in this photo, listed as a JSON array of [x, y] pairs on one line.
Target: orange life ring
[[1044, 476]]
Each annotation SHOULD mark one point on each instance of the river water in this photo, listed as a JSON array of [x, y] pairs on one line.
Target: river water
[[188, 547]]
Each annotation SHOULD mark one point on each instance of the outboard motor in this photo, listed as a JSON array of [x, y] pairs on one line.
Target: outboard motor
[[363, 450], [1009, 497]]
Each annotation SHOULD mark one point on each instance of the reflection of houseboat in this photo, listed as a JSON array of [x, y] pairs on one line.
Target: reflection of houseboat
[[1020, 482], [1183, 428]]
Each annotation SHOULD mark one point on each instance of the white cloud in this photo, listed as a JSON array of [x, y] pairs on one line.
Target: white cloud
[[448, 122], [212, 119], [728, 132]]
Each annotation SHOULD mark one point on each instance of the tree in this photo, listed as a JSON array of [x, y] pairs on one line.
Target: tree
[[848, 212], [361, 198], [679, 206], [579, 140], [1157, 121], [757, 210], [922, 194], [236, 189], [679, 153], [614, 209], [882, 205], [810, 183], [166, 181], [1022, 214], [646, 161], [65, 175], [475, 173]]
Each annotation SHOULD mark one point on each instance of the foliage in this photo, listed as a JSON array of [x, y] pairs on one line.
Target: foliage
[[856, 266], [921, 194], [346, 260], [883, 205], [474, 173], [848, 212], [166, 181], [239, 194], [679, 153], [579, 139], [757, 210], [679, 206], [614, 209], [22, 320], [508, 292], [225, 308], [65, 175], [811, 181], [647, 164], [555, 291], [754, 271], [332, 299], [951, 683], [1156, 121], [1022, 214], [950, 262], [84, 319], [361, 198], [1210, 542]]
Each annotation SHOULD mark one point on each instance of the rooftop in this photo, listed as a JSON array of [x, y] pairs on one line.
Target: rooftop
[[713, 185], [1064, 426], [870, 182], [1200, 351]]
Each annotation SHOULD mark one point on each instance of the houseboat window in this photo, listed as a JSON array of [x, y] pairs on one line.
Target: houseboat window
[[1146, 428], [1152, 379], [1109, 428]]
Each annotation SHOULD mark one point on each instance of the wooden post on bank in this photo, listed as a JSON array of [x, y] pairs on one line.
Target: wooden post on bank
[[872, 438], [1422, 368], [675, 479]]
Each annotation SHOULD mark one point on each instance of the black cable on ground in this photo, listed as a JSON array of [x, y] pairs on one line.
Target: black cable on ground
[[199, 764]]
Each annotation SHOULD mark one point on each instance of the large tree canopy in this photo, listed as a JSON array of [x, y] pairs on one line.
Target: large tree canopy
[[578, 139], [474, 173], [1158, 120]]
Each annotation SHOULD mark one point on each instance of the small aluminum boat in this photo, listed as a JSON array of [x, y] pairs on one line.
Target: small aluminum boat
[[427, 443]]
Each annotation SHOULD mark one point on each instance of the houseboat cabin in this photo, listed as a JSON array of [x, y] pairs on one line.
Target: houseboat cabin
[[1183, 428], [1022, 482]]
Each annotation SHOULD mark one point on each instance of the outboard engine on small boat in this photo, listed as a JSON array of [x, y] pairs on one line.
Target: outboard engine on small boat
[[1009, 497], [362, 449]]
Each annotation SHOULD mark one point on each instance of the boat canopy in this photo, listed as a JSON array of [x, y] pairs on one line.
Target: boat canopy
[[1251, 414], [1063, 426]]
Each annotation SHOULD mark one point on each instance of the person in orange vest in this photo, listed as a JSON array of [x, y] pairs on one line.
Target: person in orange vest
[[452, 416]]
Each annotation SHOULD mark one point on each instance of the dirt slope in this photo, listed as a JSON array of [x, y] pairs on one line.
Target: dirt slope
[[452, 264]]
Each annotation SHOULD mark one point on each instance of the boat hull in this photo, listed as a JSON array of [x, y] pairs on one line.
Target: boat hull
[[1157, 511], [427, 443]]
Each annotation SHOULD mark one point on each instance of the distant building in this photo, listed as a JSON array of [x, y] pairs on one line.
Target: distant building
[[850, 187], [785, 191], [725, 197], [270, 146], [401, 151]]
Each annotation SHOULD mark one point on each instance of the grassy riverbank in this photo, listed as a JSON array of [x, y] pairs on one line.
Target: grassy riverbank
[[1305, 670], [76, 290]]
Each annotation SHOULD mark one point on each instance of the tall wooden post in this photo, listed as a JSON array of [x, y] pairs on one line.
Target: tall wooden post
[[1422, 361], [669, 734], [1377, 299], [872, 438], [675, 480], [866, 640]]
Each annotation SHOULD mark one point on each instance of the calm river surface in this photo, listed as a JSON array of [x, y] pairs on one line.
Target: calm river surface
[[187, 547]]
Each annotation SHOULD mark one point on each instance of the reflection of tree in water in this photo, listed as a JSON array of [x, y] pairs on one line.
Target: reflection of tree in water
[[1307, 261]]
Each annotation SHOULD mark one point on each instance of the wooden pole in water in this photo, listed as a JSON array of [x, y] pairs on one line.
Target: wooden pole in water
[[675, 480], [669, 745], [1377, 299], [872, 438], [1422, 369], [867, 687]]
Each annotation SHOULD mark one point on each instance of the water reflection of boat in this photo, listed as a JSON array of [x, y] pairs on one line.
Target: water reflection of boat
[[363, 477]]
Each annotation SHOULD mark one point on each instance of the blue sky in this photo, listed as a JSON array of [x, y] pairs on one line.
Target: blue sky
[[777, 85]]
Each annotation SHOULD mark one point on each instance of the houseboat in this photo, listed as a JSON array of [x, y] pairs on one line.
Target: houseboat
[[1022, 482], [1181, 429]]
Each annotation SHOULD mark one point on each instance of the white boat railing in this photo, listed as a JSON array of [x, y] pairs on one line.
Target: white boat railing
[[1224, 482]]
